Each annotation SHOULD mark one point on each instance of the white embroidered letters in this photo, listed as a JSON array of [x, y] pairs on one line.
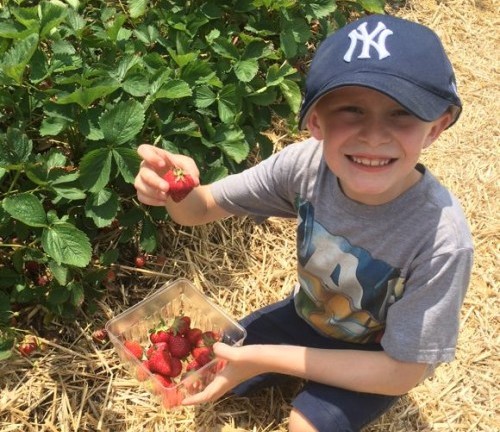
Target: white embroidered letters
[[375, 39]]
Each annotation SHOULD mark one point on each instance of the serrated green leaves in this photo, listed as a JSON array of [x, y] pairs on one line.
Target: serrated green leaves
[[122, 122], [15, 148], [14, 62], [62, 241], [102, 207], [66, 244], [26, 208]]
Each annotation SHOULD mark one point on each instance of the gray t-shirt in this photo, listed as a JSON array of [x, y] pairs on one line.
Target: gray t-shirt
[[395, 273]]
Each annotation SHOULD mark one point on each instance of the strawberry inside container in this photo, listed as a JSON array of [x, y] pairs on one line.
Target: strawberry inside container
[[130, 333]]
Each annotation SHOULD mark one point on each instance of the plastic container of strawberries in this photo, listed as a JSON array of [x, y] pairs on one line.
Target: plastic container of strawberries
[[173, 299]]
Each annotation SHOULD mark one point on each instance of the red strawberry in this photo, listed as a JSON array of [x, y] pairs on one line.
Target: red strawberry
[[180, 183], [160, 382], [134, 348], [202, 355], [100, 335], [42, 280], [160, 363], [176, 366], [180, 325], [209, 338], [27, 348], [159, 336], [193, 335], [179, 346], [193, 365], [140, 261], [110, 276], [162, 346]]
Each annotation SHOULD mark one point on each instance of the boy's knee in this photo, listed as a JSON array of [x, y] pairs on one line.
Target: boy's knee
[[298, 423]]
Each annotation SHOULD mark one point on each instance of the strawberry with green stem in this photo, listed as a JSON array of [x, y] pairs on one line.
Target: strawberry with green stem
[[180, 183]]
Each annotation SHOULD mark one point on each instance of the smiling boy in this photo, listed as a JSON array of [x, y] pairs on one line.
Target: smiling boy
[[384, 251]]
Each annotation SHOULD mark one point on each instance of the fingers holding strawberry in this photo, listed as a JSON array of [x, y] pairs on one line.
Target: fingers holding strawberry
[[154, 184]]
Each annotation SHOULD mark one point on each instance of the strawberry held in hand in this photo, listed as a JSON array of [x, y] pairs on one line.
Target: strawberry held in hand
[[180, 183]]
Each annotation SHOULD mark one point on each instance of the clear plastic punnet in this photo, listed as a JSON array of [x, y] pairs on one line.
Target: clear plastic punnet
[[179, 298]]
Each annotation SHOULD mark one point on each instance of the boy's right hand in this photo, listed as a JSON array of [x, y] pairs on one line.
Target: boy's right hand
[[151, 188]]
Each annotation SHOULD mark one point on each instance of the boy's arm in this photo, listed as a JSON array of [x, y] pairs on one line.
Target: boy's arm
[[197, 208], [361, 371]]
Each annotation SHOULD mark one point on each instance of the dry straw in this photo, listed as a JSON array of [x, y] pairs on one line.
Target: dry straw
[[75, 385]]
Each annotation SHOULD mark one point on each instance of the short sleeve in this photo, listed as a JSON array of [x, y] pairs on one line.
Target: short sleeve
[[270, 187], [423, 325]]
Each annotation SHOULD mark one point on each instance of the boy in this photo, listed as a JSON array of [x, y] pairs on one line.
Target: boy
[[384, 250]]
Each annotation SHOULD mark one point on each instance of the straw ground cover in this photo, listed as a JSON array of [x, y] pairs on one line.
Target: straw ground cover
[[76, 385]]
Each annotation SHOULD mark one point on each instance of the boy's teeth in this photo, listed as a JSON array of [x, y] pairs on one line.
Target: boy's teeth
[[370, 162]]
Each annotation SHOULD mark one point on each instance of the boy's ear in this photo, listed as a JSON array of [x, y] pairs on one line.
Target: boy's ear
[[314, 126], [439, 126]]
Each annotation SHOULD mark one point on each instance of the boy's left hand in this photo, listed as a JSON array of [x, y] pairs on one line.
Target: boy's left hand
[[238, 369]]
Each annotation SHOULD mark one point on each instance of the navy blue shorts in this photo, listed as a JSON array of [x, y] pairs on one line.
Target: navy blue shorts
[[327, 408]]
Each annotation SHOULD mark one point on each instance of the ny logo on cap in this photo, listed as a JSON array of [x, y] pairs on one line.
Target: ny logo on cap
[[375, 39]]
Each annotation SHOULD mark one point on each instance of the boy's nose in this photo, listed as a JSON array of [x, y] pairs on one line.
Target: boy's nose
[[375, 132]]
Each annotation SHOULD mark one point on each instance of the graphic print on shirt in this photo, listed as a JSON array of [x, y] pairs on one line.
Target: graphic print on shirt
[[344, 292]]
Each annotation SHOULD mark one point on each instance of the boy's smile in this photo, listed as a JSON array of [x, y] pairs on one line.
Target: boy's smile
[[371, 143]]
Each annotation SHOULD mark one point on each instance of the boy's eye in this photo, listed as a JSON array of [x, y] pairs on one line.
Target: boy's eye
[[351, 109], [401, 113]]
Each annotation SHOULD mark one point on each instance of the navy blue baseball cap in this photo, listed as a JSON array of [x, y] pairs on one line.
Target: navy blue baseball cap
[[402, 59]]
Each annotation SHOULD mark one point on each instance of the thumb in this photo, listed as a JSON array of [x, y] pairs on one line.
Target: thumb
[[224, 351]]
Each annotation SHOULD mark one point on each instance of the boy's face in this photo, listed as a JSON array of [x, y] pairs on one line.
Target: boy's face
[[371, 143]]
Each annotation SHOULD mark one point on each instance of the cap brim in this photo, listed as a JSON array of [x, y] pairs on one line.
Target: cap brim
[[421, 102]]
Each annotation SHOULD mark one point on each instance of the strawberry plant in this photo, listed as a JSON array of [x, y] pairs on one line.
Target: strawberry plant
[[82, 83]]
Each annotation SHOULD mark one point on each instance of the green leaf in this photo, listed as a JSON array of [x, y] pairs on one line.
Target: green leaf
[[52, 14], [122, 122], [87, 96], [214, 173], [246, 70], [288, 44], [320, 9], [136, 84], [148, 239], [9, 278], [137, 8], [69, 193], [5, 309], [60, 272], [128, 162], [77, 293], [66, 244], [26, 207], [264, 97], [232, 143], [225, 49], [109, 257], [174, 89], [204, 97], [291, 91], [276, 74], [16, 149], [102, 207], [58, 295], [53, 126], [229, 103], [373, 6], [95, 169], [14, 62]]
